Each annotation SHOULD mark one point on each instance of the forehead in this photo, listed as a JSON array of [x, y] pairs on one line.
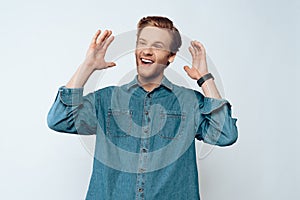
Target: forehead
[[155, 34]]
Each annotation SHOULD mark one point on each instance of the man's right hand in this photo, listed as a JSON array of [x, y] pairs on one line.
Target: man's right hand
[[97, 50], [94, 59]]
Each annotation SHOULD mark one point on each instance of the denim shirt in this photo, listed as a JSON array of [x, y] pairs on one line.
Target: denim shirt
[[145, 141]]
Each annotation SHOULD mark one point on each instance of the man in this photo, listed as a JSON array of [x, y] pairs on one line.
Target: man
[[146, 129]]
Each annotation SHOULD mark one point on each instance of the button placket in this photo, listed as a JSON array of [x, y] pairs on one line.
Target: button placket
[[142, 166]]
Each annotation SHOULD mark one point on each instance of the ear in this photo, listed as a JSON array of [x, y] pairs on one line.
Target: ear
[[171, 57]]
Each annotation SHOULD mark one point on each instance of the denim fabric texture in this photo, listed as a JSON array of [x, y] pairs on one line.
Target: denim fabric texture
[[145, 141]]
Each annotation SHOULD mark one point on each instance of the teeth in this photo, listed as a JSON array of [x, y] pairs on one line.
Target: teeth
[[146, 61]]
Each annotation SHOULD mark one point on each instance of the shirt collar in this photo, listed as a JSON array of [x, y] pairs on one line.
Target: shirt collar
[[164, 82]]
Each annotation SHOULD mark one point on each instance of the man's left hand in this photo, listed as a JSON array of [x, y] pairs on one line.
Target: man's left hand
[[199, 65]]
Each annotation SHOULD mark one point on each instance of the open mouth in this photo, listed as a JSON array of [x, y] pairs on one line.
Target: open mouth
[[147, 61]]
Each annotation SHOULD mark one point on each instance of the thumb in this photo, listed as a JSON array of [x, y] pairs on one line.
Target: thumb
[[110, 64], [186, 69]]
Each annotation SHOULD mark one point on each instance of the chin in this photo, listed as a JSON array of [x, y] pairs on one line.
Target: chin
[[144, 74]]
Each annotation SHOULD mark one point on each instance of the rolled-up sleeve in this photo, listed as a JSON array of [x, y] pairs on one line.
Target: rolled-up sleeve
[[72, 112], [214, 123]]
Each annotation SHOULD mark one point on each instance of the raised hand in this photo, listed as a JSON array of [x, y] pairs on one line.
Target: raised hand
[[199, 64], [97, 50], [94, 59]]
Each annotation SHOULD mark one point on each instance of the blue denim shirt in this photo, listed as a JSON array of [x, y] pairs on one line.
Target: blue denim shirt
[[145, 141]]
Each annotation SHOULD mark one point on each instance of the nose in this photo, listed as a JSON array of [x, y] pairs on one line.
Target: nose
[[148, 51]]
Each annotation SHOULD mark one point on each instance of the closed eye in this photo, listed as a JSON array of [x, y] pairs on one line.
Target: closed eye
[[142, 43], [158, 46]]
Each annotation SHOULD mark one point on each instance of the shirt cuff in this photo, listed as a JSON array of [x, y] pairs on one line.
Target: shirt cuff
[[71, 96], [211, 104]]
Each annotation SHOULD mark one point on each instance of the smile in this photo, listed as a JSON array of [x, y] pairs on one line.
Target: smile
[[146, 61]]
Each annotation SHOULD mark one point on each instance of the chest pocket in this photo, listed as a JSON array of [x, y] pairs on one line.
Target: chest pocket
[[171, 124], [119, 123]]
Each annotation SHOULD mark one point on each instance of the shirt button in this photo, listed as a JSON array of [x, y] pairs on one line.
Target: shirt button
[[144, 150], [146, 112], [141, 170], [140, 189], [146, 130]]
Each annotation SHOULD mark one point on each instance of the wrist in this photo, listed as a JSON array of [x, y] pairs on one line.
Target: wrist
[[200, 74], [204, 78], [203, 73], [88, 67]]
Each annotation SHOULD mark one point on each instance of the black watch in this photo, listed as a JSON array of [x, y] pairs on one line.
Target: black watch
[[205, 78]]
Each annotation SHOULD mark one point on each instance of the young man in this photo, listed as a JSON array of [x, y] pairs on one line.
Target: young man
[[146, 129]]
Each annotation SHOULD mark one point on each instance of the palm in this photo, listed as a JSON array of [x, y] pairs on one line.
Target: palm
[[194, 73], [199, 66], [97, 50]]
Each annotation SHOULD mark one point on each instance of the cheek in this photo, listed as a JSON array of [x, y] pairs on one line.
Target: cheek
[[136, 53], [162, 59]]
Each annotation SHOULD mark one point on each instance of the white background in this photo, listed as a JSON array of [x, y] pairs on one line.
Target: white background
[[254, 45]]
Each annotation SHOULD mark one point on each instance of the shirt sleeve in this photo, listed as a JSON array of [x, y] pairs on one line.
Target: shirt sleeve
[[72, 112], [214, 123]]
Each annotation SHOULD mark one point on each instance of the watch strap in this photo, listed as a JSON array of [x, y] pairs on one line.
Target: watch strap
[[205, 78]]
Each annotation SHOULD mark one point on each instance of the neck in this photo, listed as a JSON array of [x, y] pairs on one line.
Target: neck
[[149, 84]]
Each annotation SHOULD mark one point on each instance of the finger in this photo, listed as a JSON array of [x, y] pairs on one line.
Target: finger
[[109, 34], [199, 43], [108, 42], [95, 37], [192, 51], [200, 46], [102, 37], [186, 69], [110, 64], [196, 47]]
